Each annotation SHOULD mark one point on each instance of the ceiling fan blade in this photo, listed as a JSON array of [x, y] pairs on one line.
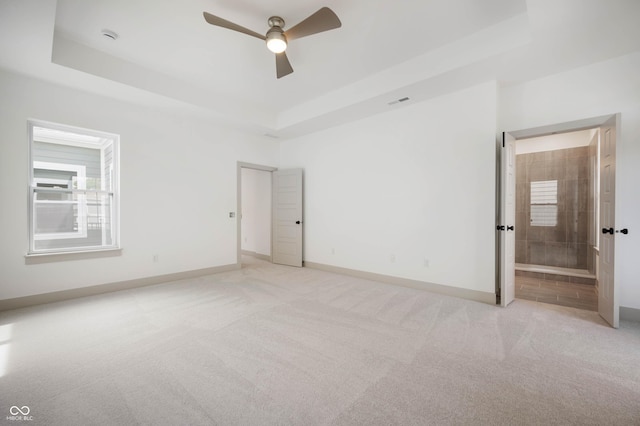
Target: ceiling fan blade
[[283, 66], [323, 20], [217, 21]]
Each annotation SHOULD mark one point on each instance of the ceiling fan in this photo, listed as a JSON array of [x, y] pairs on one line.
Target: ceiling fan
[[323, 20]]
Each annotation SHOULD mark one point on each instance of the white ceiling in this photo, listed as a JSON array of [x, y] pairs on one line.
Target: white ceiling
[[386, 49], [555, 141]]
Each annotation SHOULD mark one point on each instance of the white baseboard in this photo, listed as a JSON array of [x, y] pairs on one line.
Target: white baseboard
[[256, 255], [58, 296], [629, 314], [463, 293]]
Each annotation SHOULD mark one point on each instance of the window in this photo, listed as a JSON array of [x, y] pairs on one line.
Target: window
[[544, 203], [73, 189]]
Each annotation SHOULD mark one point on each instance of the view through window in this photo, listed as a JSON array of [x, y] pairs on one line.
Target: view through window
[[73, 198]]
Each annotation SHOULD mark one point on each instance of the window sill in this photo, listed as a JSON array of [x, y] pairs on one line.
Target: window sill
[[36, 258]]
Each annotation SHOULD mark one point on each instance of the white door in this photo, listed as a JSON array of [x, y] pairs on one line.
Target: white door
[[287, 217], [507, 219], [607, 296]]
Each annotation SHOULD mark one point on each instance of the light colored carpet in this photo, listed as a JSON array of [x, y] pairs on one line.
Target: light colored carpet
[[277, 345]]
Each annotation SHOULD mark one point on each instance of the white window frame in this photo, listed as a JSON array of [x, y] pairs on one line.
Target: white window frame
[[85, 138]]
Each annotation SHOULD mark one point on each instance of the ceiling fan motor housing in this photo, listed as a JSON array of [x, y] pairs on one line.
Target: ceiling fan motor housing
[[276, 21]]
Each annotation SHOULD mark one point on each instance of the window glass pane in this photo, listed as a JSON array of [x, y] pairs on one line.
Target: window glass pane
[[544, 192], [75, 222], [544, 203], [55, 213], [544, 215]]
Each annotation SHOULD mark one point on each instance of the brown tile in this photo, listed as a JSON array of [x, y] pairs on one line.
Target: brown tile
[[581, 151], [575, 304], [571, 194], [521, 252], [529, 285], [521, 226], [577, 168], [577, 256], [541, 291], [558, 233], [555, 169], [556, 254], [557, 277], [535, 233], [584, 281], [536, 253], [536, 171], [530, 274], [535, 157], [577, 231], [562, 195], [577, 195], [528, 282], [521, 171], [524, 296], [578, 296], [548, 299], [555, 154], [567, 293], [588, 298], [522, 205]]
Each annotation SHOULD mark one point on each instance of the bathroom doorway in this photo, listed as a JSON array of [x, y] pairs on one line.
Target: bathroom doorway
[[557, 209], [602, 225]]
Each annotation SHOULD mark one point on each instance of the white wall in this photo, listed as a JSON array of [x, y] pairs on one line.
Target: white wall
[[596, 90], [177, 176], [417, 183], [256, 211]]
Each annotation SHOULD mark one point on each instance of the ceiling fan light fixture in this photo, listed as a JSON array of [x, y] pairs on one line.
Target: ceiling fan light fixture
[[276, 41], [322, 20]]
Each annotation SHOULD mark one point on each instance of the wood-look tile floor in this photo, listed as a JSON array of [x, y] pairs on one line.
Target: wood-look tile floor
[[580, 296]]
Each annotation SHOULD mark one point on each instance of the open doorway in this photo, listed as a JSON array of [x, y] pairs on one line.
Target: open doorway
[[557, 208], [604, 222], [270, 214], [254, 211]]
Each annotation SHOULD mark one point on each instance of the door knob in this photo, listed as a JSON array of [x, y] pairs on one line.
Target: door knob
[[298, 222], [500, 227], [510, 228], [607, 231], [624, 231]]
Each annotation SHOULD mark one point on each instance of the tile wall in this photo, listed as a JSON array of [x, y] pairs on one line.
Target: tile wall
[[566, 244]]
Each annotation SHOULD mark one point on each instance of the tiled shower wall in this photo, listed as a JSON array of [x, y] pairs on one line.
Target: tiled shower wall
[[566, 244]]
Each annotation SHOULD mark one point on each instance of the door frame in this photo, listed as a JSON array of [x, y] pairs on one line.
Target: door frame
[[242, 165], [566, 127]]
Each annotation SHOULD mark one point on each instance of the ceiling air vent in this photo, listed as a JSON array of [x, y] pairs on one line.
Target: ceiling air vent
[[406, 98], [110, 34]]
